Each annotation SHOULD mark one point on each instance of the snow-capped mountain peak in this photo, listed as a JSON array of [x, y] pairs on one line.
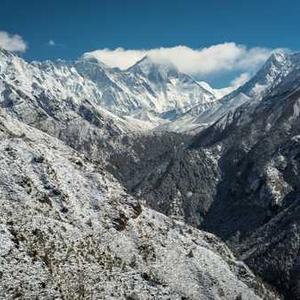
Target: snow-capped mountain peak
[[279, 56], [151, 87], [154, 70], [92, 59], [279, 69]]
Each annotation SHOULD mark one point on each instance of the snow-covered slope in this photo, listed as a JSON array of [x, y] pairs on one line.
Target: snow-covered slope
[[218, 93], [173, 92], [68, 230], [239, 178], [146, 87], [274, 71], [158, 90]]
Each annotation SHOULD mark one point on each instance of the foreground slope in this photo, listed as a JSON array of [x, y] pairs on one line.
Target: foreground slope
[[69, 230]]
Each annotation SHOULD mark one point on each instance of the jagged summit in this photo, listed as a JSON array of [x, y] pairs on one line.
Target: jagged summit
[[278, 56], [151, 67], [148, 86], [278, 70], [270, 74], [92, 60]]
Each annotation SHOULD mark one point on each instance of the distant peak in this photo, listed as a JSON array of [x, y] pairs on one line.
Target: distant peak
[[147, 65], [146, 59], [93, 60], [7, 53], [276, 62], [158, 62], [279, 56]]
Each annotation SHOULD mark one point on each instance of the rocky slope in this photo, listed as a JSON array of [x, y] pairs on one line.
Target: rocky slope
[[68, 230], [238, 179]]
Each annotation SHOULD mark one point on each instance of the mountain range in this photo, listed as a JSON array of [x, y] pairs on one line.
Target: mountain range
[[148, 184]]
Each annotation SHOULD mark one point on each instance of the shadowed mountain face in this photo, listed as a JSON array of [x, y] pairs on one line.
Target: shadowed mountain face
[[77, 162], [239, 180]]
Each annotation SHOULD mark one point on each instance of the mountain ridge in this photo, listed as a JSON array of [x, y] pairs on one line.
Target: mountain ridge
[[69, 229], [123, 93], [235, 178]]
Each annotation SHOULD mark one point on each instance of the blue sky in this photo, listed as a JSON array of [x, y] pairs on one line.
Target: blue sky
[[67, 29]]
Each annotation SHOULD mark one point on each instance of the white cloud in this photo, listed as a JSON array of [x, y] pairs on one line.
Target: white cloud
[[12, 42], [119, 57], [51, 43], [205, 61], [240, 80], [233, 85]]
